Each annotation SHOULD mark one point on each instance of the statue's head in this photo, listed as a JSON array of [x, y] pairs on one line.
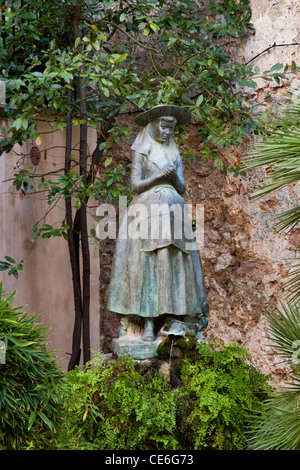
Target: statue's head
[[163, 128], [159, 124]]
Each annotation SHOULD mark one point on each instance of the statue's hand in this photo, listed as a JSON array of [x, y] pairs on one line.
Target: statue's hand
[[169, 172]]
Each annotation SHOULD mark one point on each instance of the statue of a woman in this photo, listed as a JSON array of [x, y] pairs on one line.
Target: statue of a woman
[[159, 272]]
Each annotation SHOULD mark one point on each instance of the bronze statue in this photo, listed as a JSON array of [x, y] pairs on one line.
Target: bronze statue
[[157, 271]]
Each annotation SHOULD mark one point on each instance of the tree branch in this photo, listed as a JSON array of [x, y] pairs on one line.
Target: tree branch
[[271, 47]]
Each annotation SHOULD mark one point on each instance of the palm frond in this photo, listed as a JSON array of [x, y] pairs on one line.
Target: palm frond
[[279, 151], [277, 427], [287, 220], [284, 327], [293, 283]]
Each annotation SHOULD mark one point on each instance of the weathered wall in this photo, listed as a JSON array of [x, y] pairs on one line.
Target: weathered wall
[[243, 257], [44, 286]]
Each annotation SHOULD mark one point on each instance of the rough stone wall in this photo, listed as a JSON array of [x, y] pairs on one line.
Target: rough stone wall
[[244, 258], [109, 324]]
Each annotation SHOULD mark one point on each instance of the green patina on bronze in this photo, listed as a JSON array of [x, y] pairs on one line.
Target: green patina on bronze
[[161, 275]]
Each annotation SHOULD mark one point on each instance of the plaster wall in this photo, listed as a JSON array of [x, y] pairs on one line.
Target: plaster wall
[[44, 286]]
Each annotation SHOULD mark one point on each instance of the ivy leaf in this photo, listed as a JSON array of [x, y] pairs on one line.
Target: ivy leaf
[[78, 204], [199, 100], [108, 161]]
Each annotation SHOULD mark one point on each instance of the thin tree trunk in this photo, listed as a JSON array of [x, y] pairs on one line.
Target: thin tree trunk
[[84, 229], [80, 230], [76, 351], [80, 224], [73, 236]]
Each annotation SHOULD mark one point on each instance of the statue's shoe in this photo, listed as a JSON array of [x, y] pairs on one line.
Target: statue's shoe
[[148, 336]]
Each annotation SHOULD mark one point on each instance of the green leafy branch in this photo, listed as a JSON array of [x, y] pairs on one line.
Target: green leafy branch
[[12, 266]]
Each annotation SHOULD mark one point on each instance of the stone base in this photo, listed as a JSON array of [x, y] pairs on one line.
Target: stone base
[[136, 348]]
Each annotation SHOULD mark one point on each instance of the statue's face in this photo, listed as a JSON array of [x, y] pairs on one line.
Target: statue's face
[[163, 130]]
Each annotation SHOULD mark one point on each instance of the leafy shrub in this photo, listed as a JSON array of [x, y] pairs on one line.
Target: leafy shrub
[[115, 406], [219, 389], [29, 381], [122, 404], [126, 405]]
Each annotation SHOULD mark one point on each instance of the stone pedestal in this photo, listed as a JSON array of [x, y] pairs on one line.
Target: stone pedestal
[[131, 332], [135, 347]]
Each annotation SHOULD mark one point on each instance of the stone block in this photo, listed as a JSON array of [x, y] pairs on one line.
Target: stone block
[[135, 347]]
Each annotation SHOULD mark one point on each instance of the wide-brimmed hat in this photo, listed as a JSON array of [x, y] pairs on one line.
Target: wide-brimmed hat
[[182, 115]]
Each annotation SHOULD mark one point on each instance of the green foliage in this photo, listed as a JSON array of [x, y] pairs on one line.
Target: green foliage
[[182, 60], [117, 407], [279, 149], [165, 52], [278, 427], [30, 381], [126, 58], [121, 404], [125, 405], [11, 266], [219, 389]]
